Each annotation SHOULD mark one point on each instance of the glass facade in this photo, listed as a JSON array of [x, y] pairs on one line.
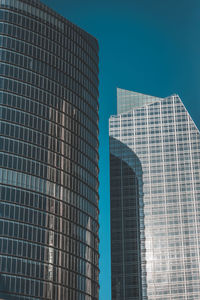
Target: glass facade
[[48, 155], [165, 143]]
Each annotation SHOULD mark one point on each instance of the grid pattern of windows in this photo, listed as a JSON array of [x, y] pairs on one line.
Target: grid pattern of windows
[[125, 195], [167, 143], [48, 155]]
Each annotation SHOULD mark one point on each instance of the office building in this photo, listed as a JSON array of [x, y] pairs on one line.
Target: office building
[[155, 199], [48, 155]]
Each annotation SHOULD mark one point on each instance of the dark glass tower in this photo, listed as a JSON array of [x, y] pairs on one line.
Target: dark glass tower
[[125, 178], [48, 155]]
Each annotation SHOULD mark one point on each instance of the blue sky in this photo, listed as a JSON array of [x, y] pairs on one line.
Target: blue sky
[[148, 46]]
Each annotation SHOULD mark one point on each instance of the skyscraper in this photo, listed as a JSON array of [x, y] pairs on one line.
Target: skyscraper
[[155, 199], [48, 155]]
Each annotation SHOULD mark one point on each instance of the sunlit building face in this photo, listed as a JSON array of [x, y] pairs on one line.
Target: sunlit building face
[[48, 155], [155, 199]]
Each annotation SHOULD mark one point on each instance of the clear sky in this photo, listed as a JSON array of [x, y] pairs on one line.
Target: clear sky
[[148, 46]]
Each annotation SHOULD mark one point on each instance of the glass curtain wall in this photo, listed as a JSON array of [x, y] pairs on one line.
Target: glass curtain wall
[[166, 141], [48, 155]]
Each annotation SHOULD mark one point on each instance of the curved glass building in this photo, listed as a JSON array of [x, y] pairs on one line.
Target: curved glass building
[[48, 155], [155, 199]]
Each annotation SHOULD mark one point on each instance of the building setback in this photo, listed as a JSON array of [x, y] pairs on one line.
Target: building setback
[[155, 199], [48, 155]]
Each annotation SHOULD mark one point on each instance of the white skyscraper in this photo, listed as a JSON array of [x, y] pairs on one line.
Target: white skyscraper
[[155, 199]]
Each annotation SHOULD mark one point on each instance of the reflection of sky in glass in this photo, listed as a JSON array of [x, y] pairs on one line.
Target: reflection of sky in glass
[[48, 155], [167, 143]]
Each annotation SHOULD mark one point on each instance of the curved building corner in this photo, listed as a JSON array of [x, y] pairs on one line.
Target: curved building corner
[[48, 155]]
